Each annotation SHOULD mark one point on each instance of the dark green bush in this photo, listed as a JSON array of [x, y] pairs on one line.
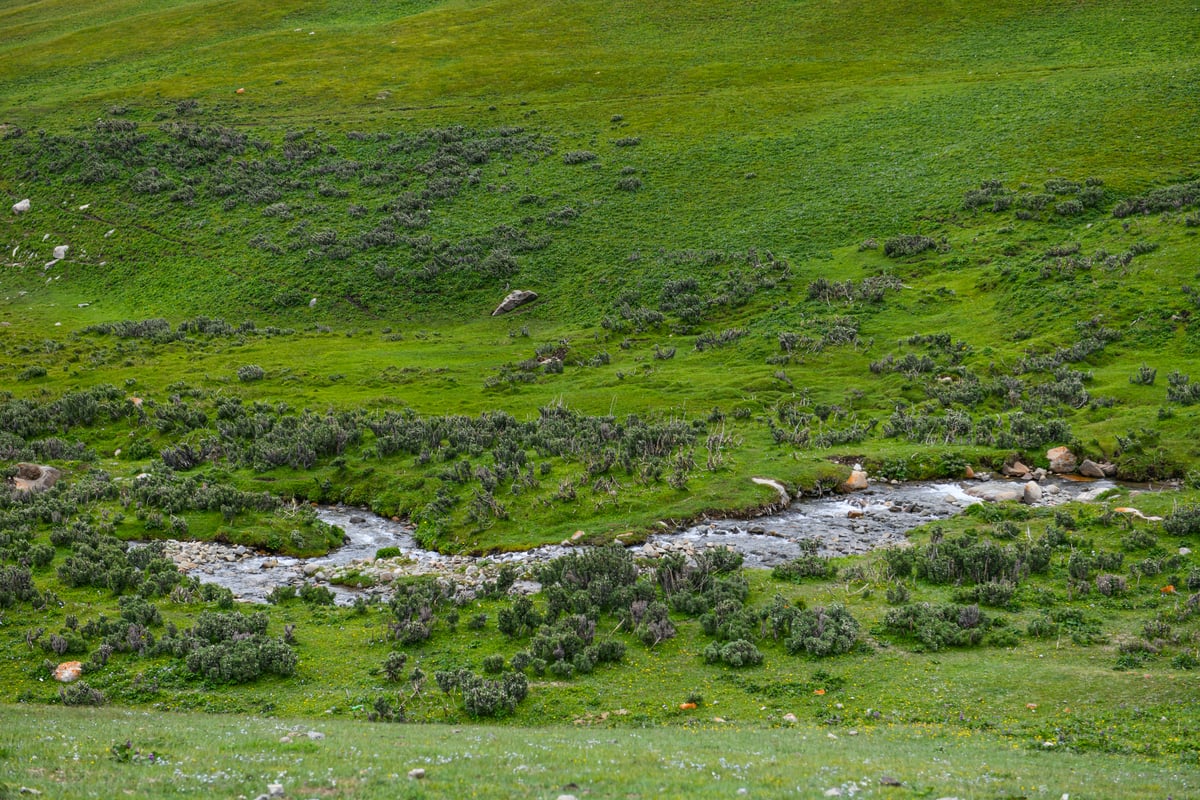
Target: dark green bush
[[281, 594], [80, 694], [907, 245], [519, 619], [16, 586], [997, 594], [823, 631], [738, 653], [242, 660], [250, 372], [1183, 521], [316, 595], [938, 626], [483, 697], [808, 565], [393, 665]]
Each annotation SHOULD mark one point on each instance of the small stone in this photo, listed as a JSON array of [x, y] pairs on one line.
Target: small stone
[[68, 671], [416, 774], [888, 780], [789, 717], [21, 207], [1185, 551], [1090, 469], [315, 736], [275, 789], [60, 252], [285, 740], [1031, 494], [1015, 470]]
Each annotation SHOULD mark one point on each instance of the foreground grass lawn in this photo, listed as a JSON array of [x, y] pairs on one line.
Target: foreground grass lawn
[[79, 753]]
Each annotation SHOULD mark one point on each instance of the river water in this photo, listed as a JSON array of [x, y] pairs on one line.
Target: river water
[[843, 524]]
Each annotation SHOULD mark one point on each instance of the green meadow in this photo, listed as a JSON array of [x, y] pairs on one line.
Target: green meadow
[[771, 240]]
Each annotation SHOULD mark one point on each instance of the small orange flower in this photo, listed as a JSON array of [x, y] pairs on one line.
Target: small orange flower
[[686, 706], [818, 691], [1168, 589]]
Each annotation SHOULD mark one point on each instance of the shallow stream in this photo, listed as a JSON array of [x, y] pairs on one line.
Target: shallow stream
[[850, 524]]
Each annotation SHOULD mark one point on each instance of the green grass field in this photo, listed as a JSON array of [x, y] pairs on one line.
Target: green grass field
[[769, 240]]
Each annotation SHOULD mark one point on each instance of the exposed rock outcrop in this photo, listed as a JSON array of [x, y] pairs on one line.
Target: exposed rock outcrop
[[515, 298], [784, 497], [35, 477], [1062, 460], [857, 482]]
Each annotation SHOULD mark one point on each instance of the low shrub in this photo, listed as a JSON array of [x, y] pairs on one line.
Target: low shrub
[[823, 631], [939, 626], [738, 653], [907, 245]]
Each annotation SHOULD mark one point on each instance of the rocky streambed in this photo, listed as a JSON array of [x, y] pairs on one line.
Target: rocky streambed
[[879, 516]]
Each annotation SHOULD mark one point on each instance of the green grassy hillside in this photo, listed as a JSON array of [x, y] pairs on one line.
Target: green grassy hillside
[[769, 240]]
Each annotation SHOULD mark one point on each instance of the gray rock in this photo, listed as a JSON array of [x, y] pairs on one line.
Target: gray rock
[[275, 789], [1015, 470], [416, 774], [32, 478], [515, 298], [995, 492], [1090, 469], [315, 736], [21, 207], [1031, 494], [60, 252]]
